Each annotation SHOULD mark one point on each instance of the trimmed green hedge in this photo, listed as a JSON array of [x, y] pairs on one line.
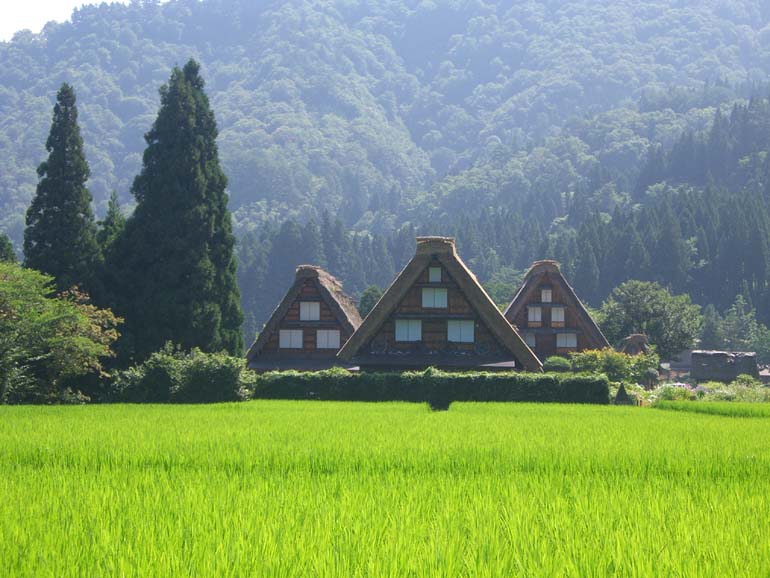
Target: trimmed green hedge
[[437, 387]]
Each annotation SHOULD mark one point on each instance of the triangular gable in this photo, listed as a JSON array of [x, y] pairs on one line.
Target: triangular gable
[[330, 289], [532, 282], [442, 249]]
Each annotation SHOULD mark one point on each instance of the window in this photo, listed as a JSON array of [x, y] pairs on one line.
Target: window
[[546, 295], [529, 339], [327, 339], [535, 316], [434, 274], [566, 340], [434, 298], [557, 317], [309, 311], [408, 330], [290, 339], [460, 331]]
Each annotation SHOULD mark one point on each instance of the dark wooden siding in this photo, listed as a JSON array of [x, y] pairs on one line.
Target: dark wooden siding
[[310, 291], [545, 335], [434, 321]]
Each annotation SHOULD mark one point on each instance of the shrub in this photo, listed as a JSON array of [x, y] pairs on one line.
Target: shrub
[[744, 389], [151, 381], [617, 366], [745, 380], [194, 377], [434, 386], [674, 392], [209, 378], [557, 364]]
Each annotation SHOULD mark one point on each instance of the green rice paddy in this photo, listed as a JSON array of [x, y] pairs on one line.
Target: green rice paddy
[[312, 489], [727, 408]]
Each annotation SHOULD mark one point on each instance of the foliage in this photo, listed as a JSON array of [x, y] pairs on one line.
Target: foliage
[[672, 322], [403, 95], [737, 330], [369, 299], [47, 338], [174, 262], [60, 238], [633, 155], [385, 489], [744, 389], [432, 385], [615, 365], [557, 363], [112, 226], [213, 377], [7, 253], [503, 284], [194, 377], [595, 148]]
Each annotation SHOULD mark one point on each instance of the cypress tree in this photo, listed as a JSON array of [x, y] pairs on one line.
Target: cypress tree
[[177, 269], [60, 238]]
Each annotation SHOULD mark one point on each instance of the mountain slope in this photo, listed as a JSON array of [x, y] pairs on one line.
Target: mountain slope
[[384, 111]]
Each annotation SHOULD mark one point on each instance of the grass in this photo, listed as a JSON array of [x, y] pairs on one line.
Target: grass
[[725, 408], [271, 488]]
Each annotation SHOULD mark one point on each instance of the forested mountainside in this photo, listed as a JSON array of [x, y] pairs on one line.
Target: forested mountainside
[[539, 130], [384, 111]]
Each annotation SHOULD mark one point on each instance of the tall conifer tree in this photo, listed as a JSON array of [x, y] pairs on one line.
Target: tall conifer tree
[[60, 238], [176, 262]]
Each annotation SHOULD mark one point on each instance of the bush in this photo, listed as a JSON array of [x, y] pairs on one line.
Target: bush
[[195, 377], [617, 366], [208, 378], [557, 364], [744, 389], [151, 381], [434, 386]]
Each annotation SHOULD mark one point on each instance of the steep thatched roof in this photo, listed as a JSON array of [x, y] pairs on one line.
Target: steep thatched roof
[[532, 281], [634, 344], [329, 287], [443, 250]]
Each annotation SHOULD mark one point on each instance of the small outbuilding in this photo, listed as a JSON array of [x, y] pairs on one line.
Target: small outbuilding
[[723, 365], [635, 344], [308, 327]]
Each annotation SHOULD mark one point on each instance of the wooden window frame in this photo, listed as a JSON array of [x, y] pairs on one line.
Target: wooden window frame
[[433, 292], [558, 323], [322, 338], [563, 346], [304, 306], [462, 326], [534, 322], [413, 330], [291, 335]]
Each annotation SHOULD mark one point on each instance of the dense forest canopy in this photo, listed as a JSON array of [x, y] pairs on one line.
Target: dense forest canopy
[[375, 110], [581, 130]]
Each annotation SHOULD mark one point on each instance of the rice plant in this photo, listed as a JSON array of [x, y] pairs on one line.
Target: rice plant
[[273, 489]]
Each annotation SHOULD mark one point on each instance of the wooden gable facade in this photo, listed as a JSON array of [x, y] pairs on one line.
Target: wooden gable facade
[[548, 314], [437, 314], [307, 329]]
